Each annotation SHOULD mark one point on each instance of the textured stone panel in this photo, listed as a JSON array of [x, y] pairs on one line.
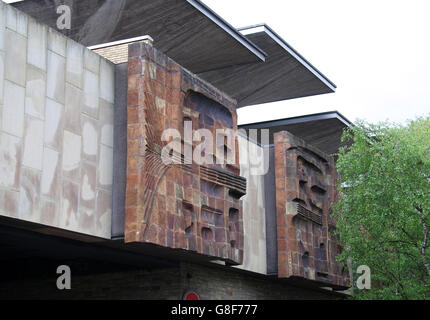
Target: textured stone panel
[[103, 219], [90, 138], [91, 94], [72, 143], [56, 134], [13, 109], [194, 207], [55, 87], [88, 186], [105, 167], [10, 160], [69, 218], [106, 123], [2, 25], [305, 189], [254, 212], [37, 44], [92, 61], [86, 220], [56, 42], [9, 202], [51, 174], [11, 18], [35, 92], [74, 101], [107, 80], [16, 57], [33, 143], [1, 75], [21, 23], [29, 195], [54, 119], [49, 212], [75, 63]]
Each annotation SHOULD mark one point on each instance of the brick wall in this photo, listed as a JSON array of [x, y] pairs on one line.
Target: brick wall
[[170, 284]]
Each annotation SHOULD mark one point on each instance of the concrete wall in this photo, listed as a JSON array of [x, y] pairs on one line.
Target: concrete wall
[[254, 219], [56, 128]]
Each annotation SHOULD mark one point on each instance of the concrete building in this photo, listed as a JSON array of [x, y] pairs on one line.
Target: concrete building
[[83, 112]]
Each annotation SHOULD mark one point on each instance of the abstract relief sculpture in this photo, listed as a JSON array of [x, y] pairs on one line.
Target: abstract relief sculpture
[[305, 188], [181, 205]]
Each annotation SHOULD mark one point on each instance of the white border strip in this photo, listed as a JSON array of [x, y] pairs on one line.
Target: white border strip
[[116, 43]]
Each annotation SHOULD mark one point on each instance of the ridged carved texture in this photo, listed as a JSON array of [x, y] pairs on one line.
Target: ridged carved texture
[[305, 189], [181, 206]]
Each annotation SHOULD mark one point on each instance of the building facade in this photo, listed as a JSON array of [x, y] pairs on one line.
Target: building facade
[[86, 117]]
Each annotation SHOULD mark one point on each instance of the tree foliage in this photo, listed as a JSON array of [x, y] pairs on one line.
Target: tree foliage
[[383, 212]]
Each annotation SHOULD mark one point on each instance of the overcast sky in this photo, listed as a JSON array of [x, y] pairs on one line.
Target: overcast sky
[[377, 52]]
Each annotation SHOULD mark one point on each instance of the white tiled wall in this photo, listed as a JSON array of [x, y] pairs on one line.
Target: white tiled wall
[[56, 128]]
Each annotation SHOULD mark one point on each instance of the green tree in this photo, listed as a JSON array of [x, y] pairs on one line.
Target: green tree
[[383, 212]]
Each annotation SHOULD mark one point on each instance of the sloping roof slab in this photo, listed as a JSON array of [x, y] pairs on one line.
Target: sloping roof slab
[[285, 74], [186, 30], [322, 130], [252, 65]]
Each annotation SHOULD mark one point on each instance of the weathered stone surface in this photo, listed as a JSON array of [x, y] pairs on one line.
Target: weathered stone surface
[[10, 161], [192, 207], [55, 87], [254, 218], [16, 57], [56, 42], [106, 123], [51, 174], [305, 190], [9, 202], [69, 218], [91, 94], [33, 143], [75, 63], [21, 23], [103, 218], [72, 144], [107, 80], [88, 186], [56, 146], [105, 167], [29, 195], [35, 92], [49, 213], [54, 119], [2, 26], [13, 109], [11, 18], [1, 74], [37, 44], [90, 138], [73, 105]]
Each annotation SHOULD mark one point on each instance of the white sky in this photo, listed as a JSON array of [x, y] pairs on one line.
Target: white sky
[[377, 52]]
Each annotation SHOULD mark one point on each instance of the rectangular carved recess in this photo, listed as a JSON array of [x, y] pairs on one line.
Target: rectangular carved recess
[[305, 189], [181, 206]]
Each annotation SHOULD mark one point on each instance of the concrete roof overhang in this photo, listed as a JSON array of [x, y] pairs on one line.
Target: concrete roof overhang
[[284, 75], [252, 65], [322, 130]]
